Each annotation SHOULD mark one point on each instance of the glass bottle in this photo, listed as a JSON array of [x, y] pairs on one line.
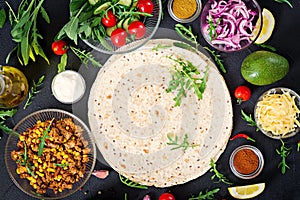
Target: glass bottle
[[13, 87]]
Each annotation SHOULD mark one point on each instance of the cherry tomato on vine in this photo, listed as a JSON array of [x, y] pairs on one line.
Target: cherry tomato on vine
[[146, 6], [60, 47], [138, 29], [109, 19], [242, 93], [118, 37], [166, 196]]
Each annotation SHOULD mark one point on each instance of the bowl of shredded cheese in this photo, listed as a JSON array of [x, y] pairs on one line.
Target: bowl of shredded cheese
[[277, 113]]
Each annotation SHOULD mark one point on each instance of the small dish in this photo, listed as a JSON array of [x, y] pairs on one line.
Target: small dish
[[278, 111], [230, 26], [189, 18], [30, 121], [68, 86], [246, 162]]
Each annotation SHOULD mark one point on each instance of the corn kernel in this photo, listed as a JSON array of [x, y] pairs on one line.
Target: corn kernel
[[65, 156], [63, 162], [76, 153], [29, 140], [44, 165], [85, 156], [35, 135], [40, 160], [60, 190], [35, 186], [35, 157], [51, 139], [18, 171], [36, 164], [67, 127], [50, 169], [22, 138], [65, 140], [37, 131], [38, 122]]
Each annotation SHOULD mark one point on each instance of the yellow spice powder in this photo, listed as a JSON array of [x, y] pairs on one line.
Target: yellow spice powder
[[184, 9]]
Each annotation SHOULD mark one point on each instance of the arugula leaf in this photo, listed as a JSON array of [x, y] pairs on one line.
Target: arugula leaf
[[63, 63], [217, 174], [160, 46], [283, 152], [267, 47], [185, 79], [43, 138], [33, 91], [7, 113], [207, 195], [248, 118], [217, 59], [185, 144], [7, 130], [85, 57], [2, 17], [61, 165], [186, 33], [132, 184], [24, 30], [285, 1]]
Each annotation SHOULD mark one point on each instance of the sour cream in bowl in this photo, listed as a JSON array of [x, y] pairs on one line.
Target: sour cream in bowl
[[68, 87]]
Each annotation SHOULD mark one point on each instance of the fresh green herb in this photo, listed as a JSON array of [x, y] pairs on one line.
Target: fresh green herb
[[217, 59], [33, 91], [61, 165], [212, 26], [267, 47], [186, 33], [132, 184], [43, 138], [85, 20], [7, 113], [25, 32], [283, 152], [207, 195], [217, 174], [63, 63], [2, 17], [160, 46], [85, 57], [284, 1], [184, 144], [298, 145], [185, 79], [185, 46], [7, 130], [24, 161], [248, 118], [125, 196]]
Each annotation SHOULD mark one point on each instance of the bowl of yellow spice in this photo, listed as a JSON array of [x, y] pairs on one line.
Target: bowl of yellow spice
[[184, 11]]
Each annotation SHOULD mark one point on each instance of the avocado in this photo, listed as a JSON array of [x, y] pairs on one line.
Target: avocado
[[264, 67]]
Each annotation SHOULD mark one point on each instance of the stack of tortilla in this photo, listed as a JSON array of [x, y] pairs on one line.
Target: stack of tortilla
[[131, 114]]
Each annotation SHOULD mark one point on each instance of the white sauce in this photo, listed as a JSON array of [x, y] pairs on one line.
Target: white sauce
[[68, 86]]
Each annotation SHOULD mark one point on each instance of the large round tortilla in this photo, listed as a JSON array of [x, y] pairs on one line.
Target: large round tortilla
[[130, 115]]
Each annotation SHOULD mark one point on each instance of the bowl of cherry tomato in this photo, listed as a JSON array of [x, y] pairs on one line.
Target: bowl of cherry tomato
[[117, 26]]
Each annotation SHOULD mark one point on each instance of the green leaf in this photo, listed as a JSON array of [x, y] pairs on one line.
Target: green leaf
[[33, 91], [71, 29], [63, 63], [2, 17], [132, 184], [43, 138], [45, 15], [207, 195], [7, 113]]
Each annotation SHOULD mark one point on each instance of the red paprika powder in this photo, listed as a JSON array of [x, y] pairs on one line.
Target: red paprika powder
[[245, 161]]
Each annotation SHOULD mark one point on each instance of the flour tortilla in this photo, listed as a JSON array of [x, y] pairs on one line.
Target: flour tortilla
[[130, 115]]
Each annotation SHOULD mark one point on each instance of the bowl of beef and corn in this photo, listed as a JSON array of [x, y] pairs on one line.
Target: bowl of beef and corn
[[50, 154]]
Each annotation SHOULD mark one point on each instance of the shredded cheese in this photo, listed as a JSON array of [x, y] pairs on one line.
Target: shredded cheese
[[278, 113]]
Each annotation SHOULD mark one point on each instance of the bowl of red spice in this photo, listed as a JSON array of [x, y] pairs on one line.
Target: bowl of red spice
[[246, 162], [184, 11]]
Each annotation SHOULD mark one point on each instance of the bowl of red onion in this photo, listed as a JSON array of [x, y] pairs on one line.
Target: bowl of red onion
[[231, 25]]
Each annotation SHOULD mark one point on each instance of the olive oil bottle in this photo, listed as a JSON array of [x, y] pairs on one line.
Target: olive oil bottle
[[13, 87]]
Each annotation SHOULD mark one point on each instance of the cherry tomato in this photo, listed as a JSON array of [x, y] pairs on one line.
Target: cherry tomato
[[242, 93], [146, 6], [166, 196], [137, 28], [118, 37], [59, 47], [109, 20]]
